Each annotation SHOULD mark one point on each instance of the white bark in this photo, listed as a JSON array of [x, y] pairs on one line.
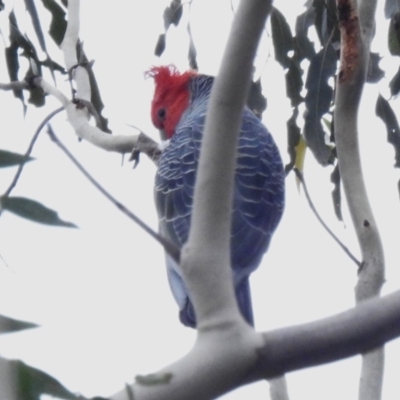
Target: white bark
[[356, 32]]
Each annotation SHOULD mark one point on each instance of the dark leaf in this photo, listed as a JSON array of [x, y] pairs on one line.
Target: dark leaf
[[8, 158], [326, 22], [336, 194], [281, 37], [96, 99], [385, 112], [256, 101], [392, 7], [34, 211], [293, 132], [394, 35], [395, 84], [32, 11], [37, 97], [1, 5], [172, 14], [53, 66], [192, 51], [303, 46], [17, 38], [318, 99], [58, 23], [160, 46], [294, 84], [12, 61], [8, 324], [12, 57], [176, 7], [32, 383], [374, 74]]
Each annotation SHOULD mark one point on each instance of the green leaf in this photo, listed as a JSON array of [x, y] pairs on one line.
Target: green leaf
[[12, 60], [172, 14], [32, 383], [256, 101], [294, 84], [395, 84], [282, 38], [374, 73], [304, 48], [32, 11], [9, 159], [58, 24], [336, 194], [18, 38], [326, 22], [37, 96], [8, 324], [394, 35], [385, 112], [177, 11], [19, 41], [293, 134], [192, 54], [96, 98], [318, 99], [160, 46], [34, 211]]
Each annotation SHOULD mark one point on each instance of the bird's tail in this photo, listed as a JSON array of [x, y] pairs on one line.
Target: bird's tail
[[243, 297]]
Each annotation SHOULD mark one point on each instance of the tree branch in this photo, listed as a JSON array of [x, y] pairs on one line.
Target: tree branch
[[326, 227], [361, 329], [170, 248], [372, 323], [78, 116], [356, 20], [209, 271], [29, 151]]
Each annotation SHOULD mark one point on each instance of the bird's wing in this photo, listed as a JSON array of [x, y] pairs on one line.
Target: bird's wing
[[257, 205]]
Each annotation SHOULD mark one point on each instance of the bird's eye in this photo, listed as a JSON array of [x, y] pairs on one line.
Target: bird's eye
[[161, 113]]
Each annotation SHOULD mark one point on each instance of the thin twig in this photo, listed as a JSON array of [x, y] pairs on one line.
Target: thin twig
[[29, 150], [5, 263], [170, 248], [15, 85], [314, 210]]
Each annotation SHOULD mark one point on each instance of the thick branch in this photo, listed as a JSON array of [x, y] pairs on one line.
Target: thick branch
[[78, 119], [348, 94], [69, 46], [361, 329], [209, 271], [357, 20]]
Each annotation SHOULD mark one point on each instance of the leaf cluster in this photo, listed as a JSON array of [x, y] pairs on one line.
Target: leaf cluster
[[310, 74]]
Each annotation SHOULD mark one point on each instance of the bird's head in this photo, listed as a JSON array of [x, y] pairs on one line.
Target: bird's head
[[171, 97]]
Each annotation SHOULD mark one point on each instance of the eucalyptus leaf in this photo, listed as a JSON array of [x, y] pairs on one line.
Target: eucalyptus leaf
[[34, 211]]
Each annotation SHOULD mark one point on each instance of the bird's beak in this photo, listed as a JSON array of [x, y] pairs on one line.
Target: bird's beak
[[163, 134]]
